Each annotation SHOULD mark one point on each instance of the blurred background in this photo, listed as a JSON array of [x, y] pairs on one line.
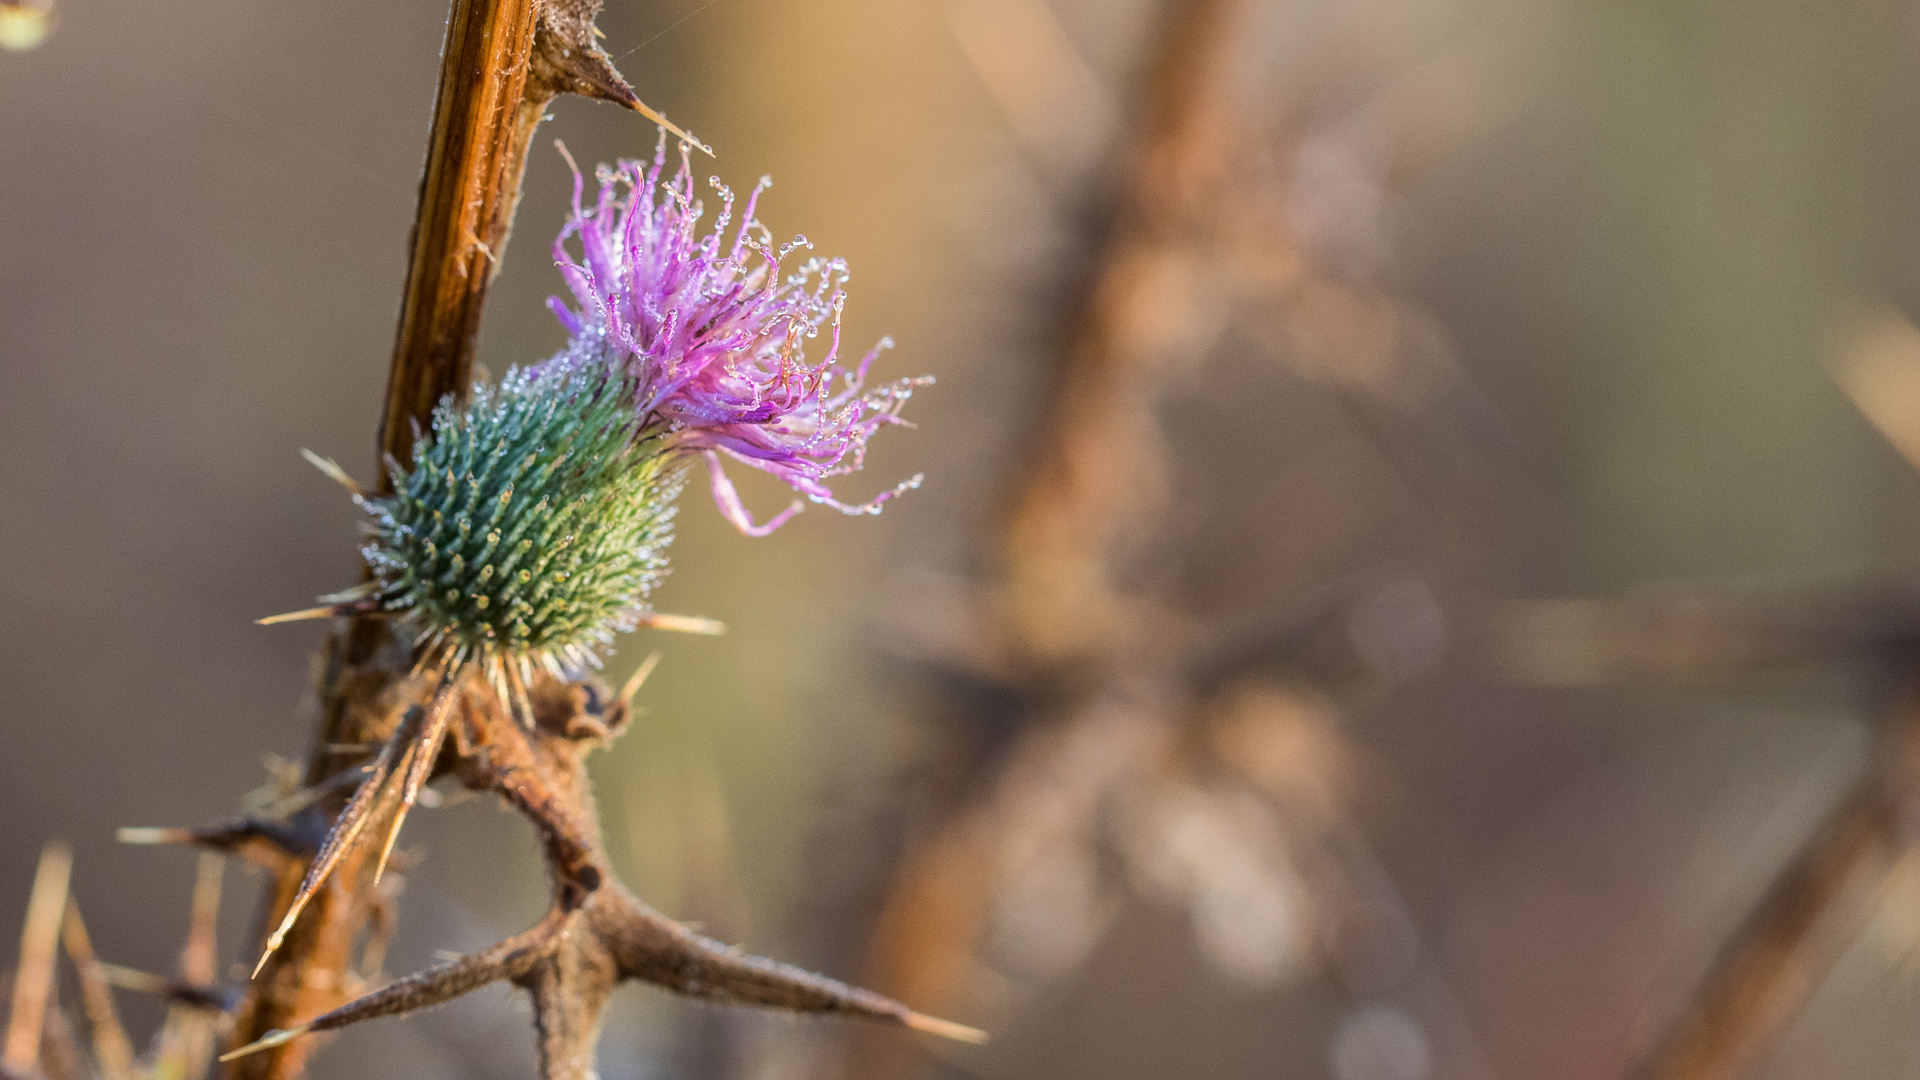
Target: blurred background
[[1192, 719]]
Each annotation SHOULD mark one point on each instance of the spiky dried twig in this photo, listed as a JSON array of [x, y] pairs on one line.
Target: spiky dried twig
[[184, 1046], [595, 934], [503, 62]]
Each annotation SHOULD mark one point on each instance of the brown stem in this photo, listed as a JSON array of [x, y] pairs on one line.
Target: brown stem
[[1098, 458], [1778, 956], [185, 1043], [503, 62], [475, 157], [1091, 475], [570, 988], [59, 1051], [595, 933]]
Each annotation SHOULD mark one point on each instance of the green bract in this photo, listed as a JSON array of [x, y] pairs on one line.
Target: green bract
[[533, 522]]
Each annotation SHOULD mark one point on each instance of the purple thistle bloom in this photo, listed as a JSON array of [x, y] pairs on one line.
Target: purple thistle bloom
[[715, 336]]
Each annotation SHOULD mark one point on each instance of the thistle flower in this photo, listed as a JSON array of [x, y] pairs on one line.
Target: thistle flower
[[715, 337], [534, 519]]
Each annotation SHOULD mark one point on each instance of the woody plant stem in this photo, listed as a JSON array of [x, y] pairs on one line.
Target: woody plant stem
[[503, 63]]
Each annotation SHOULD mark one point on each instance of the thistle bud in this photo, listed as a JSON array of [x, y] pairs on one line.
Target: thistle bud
[[533, 522]]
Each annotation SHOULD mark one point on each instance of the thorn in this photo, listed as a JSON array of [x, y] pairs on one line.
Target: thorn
[[474, 239], [417, 766], [639, 677], [648, 111], [405, 768], [134, 979], [522, 702], [177, 991], [267, 1042], [295, 616], [358, 592], [683, 624], [346, 829], [945, 1029], [141, 835], [334, 472], [273, 943], [579, 66], [508, 959]]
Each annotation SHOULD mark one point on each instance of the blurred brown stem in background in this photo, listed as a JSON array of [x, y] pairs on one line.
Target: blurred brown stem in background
[[1094, 468], [33, 982], [1147, 736], [1781, 951], [1778, 956], [1098, 465], [41, 1038]]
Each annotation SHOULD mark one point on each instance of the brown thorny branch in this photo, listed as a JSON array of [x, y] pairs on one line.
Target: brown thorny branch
[[504, 62], [1781, 950], [1779, 953], [1131, 711]]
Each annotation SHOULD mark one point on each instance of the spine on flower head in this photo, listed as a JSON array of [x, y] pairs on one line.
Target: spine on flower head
[[533, 522], [714, 336]]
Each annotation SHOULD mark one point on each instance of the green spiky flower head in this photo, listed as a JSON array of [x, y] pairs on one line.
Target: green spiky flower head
[[533, 522]]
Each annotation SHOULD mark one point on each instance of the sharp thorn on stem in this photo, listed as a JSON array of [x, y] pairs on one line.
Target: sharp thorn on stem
[[327, 612], [363, 607], [346, 829], [334, 472], [418, 764], [639, 678], [648, 111], [144, 835], [267, 1042], [946, 1029], [683, 624]]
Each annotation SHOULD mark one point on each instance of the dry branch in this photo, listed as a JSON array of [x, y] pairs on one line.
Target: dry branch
[[502, 64], [1778, 955], [595, 934], [1117, 692]]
